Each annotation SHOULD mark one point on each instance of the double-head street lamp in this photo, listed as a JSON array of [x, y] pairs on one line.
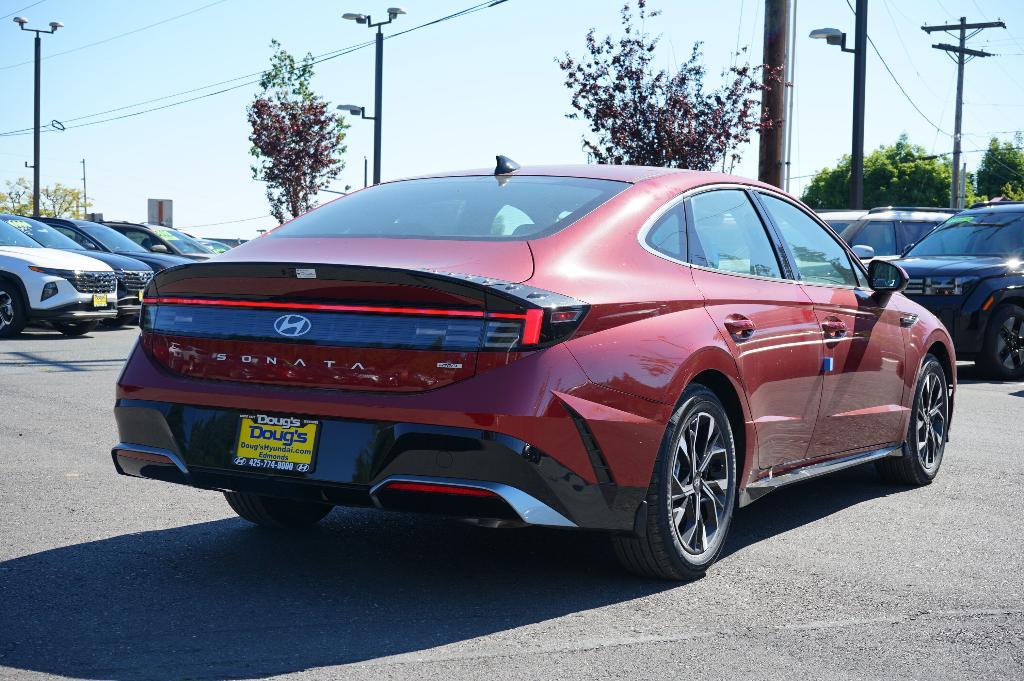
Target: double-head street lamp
[[834, 36], [393, 13], [54, 25]]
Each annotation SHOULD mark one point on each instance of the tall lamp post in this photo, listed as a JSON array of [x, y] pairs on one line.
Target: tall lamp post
[[834, 36], [393, 13], [54, 25]]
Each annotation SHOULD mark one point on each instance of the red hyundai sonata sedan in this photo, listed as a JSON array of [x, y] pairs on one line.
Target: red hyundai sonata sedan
[[633, 350]]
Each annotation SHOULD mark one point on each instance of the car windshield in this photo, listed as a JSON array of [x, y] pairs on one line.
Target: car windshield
[[109, 238], [479, 207], [977, 233], [12, 236], [181, 241], [43, 233]]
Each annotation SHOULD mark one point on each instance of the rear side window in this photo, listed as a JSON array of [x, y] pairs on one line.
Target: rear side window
[[731, 234], [879, 235], [819, 257], [668, 235], [492, 208]]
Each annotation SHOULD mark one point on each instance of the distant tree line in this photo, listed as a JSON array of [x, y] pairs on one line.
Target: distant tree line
[[57, 201]]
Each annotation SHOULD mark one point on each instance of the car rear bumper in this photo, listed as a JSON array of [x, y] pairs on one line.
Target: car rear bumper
[[358, 460]]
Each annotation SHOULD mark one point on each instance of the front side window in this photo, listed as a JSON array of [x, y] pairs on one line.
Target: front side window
[[731, 234], [111, 238], [668, 235], [878, 234], [983, 232], [489, 208], [820, 259]]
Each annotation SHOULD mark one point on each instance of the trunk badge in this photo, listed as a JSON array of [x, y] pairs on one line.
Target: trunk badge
[[292, 325]]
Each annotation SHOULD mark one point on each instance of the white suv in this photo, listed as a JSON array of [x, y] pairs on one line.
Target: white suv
[[72, 292]]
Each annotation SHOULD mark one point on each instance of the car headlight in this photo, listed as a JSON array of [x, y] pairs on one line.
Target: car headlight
[[947, 286], [53, 272]]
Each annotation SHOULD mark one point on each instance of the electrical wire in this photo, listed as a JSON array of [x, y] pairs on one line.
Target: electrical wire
[[253, 77], [897, 81], [18, 11], [115, 37]]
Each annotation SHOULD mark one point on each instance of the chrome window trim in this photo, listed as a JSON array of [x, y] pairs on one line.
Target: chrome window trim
[[679, 200]]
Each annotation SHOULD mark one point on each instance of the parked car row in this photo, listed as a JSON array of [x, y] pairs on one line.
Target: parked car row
[[967, 267], [76, 274]]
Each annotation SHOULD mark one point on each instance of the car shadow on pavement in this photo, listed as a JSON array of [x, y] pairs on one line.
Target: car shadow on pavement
[[222, 598]]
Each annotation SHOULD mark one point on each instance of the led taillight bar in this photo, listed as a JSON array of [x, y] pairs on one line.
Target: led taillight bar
[[438, 488], [532, 319]]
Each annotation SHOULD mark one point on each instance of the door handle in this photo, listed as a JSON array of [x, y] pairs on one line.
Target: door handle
[[739, 327], [834, 328]]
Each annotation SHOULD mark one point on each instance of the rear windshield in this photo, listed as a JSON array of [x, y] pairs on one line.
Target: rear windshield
[[483, 208], [982, 233], [11, 236]]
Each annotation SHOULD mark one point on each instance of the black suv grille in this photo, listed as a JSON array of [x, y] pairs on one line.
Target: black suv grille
[[133, 282], [93, 282]]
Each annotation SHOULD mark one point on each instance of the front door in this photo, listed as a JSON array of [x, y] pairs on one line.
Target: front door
[[864, 356], [767, 321]]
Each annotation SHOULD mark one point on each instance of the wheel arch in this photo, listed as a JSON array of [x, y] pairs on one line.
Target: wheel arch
[[15, 281], [728, 394]]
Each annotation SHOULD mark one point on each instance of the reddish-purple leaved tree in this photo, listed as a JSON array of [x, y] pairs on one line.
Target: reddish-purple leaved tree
[[298, 141], [643, 116]]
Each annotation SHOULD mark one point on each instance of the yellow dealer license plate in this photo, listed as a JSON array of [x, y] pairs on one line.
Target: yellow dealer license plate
[[276, 443], [99, 300]]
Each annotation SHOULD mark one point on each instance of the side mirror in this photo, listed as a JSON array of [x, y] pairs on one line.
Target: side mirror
[[887, 277], [864, 252], [159, 248]]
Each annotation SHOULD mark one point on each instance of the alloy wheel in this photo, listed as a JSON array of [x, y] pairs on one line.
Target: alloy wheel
[[6, 310], [931, 422], [1010, 343], [700, 484]]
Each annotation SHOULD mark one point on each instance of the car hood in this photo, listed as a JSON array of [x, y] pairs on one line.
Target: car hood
[[157, 261], [507, 260], [955, 266], [51, 257], [116, 262]]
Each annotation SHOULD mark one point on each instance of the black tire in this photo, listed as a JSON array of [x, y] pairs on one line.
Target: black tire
[[663, 552], [13, 316], [927, 433], [1002, 353], [276, 513], [74, 328]]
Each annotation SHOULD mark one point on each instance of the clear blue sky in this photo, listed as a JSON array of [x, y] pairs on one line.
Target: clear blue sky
[[455, 94]]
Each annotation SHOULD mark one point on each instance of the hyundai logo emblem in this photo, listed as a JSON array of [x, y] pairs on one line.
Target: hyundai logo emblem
[[292, 325]]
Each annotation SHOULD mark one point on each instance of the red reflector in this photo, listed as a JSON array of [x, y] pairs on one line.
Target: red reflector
[[564, 316], [437, 488], [531, 329]]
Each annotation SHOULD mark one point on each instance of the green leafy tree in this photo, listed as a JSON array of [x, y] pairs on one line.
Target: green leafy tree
[[297, 140], [58, 201], [1001, 170], [902, 174], [17, 198]]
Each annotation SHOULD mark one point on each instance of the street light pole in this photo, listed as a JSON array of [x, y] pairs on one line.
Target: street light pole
[[860, 61], [54, 25], [378, 91]]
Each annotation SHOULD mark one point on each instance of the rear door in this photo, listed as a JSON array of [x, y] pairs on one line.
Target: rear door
[[765, 317], [864, 354]]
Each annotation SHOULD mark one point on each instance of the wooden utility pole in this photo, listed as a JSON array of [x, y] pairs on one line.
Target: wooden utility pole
[[776, 24], [962, 52]]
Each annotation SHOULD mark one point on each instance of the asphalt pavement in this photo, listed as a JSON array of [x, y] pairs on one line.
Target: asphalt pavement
[[108, 577]]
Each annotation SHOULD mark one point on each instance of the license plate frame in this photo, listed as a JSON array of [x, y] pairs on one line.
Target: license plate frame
[[277, 454], [100, 300]]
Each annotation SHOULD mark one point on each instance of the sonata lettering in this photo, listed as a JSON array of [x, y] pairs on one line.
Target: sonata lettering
[[271, 360]]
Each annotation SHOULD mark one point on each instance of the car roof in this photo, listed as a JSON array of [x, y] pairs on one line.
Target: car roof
[[999, 207], [908, 214], [620, 173], [840, 214]]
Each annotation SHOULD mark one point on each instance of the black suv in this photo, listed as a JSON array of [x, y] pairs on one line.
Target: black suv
[[970, 272]]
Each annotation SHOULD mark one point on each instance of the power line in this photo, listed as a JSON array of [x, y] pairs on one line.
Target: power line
[[897, 80], [316, 60], [115, 37], [230, 222], [18, 11]]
